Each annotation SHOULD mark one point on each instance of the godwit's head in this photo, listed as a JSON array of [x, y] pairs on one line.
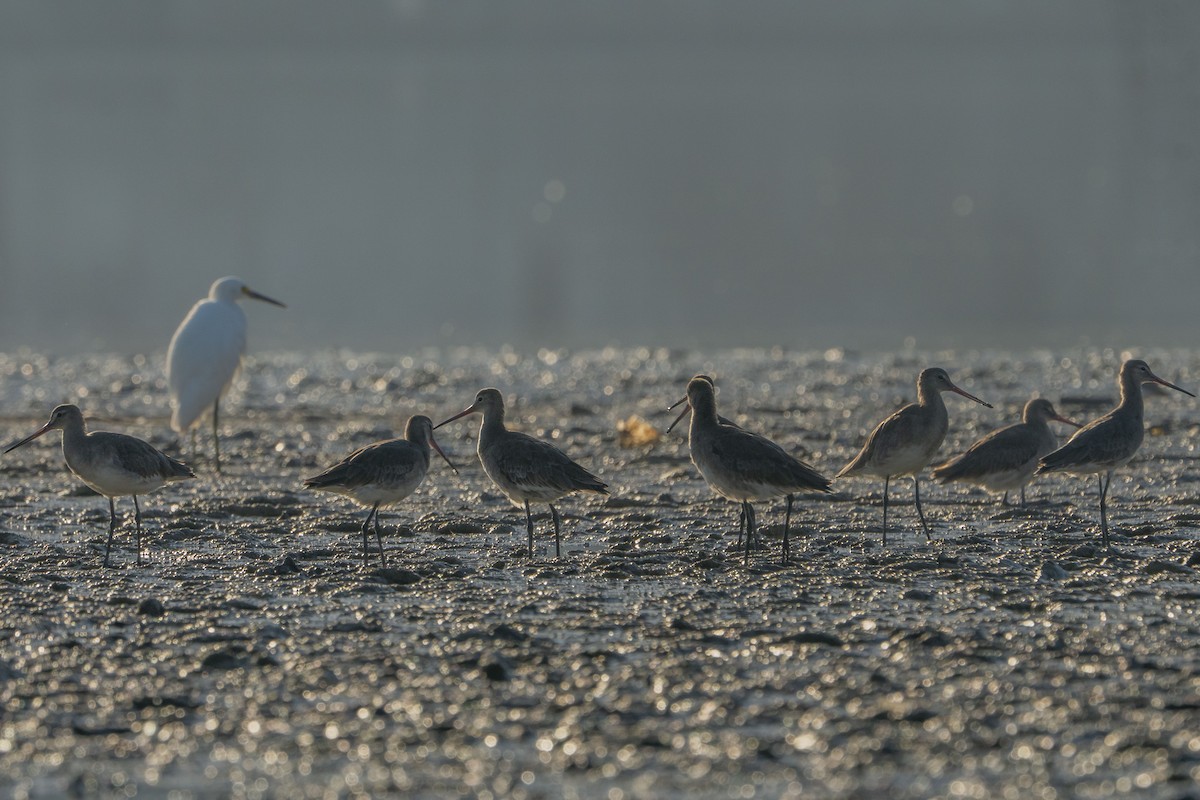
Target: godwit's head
[[1040, 409], [936, 380], [419, 431], [1135, 372], [61, 418], [488, 402]]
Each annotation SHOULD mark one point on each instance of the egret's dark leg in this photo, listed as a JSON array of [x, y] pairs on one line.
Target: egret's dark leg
[[557, 533], [379, 538], [886, 480], [137, 521], [920, 513], [787, 523], [529, 525], [741, 525], [1022, 495], [112, 526], [1105, 480], [1004, 500], [216, 435]]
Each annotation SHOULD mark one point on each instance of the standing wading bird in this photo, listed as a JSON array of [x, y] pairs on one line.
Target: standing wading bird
[[112, 464], [524, 468], [723, 421], [205, 354], [1006, 459], [1110, 442], [742, 466], [905, 442], [382, 473]]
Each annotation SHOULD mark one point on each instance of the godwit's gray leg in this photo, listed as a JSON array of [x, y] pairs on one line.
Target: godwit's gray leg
[[1022, 495], [557, 529], [751, 529], [112, 527], [787, 523], [366, 533], [529, 527], [886, 481], [137, 521], [1105, 480], [920, 513], [1004, 500], [216, 435], [379, 539]]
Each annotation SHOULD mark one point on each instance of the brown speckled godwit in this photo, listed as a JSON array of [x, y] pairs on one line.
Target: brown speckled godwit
[[382, 474], [905, 442], [525, 469], [112, 464], [743, 466], [1006, 459], [1110, 442]]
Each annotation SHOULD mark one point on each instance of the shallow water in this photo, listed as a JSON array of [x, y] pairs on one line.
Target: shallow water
[[253, 654]]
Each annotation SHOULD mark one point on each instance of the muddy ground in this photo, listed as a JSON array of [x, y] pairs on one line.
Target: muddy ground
[[253, 654]]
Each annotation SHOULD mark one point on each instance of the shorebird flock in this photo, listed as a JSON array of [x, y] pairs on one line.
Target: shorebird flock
[[206, 351]]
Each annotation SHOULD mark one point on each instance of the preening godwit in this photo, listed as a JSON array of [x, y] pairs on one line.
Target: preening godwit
[[382, 473], [1108, 443], [1006, 459], [205, 354], [525, 469], [743, 466], [112, 464], [905, 442]]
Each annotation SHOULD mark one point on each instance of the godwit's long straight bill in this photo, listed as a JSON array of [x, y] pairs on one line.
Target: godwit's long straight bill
[[40, 432]]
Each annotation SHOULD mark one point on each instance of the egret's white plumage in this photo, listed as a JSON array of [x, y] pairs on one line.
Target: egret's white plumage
[[205, 354]]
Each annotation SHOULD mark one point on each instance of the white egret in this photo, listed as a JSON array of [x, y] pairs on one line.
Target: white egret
[[205, 354]]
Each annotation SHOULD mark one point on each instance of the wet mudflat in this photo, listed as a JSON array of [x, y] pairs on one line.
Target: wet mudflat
[[254, 655]]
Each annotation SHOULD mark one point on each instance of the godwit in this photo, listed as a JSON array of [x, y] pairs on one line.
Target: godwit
[[1110, 442], [524, 468], [723, 421], [743, 466], [907, 440], [1007, 458], [205, 354], [112, 464], [382, 474]]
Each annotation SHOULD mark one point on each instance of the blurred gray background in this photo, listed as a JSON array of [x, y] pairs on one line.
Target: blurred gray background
[[548, 173]]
